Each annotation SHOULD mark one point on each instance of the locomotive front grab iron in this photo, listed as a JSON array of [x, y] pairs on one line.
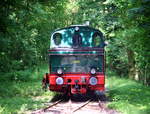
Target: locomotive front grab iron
[[76, 60]]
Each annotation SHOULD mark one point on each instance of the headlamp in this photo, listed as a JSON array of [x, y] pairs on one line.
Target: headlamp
[[59, 71], [59, 81], [93, 81], [76, 28], [93, 71]]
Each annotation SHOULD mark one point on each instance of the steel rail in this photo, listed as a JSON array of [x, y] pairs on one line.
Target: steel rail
[[53, 104], [82, 105]]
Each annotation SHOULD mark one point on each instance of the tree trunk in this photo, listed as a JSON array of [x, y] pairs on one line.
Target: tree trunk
[[133, 72]]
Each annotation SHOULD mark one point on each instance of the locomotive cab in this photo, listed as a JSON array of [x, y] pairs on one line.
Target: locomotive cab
[[76, 60]]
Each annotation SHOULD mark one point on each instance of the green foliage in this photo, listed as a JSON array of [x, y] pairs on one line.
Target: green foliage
[[117, 57], [25, 31], [134, 36], [25, 28], [128, 97], [25, 94], [24, 75]]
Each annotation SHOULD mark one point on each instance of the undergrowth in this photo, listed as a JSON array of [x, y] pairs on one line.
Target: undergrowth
[[128, 96], [24, 93]]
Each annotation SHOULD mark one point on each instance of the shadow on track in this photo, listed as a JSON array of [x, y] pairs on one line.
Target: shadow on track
[[59, 96], [80, 97]]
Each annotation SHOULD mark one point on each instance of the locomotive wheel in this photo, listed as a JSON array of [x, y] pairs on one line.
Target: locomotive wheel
[[67, 91]]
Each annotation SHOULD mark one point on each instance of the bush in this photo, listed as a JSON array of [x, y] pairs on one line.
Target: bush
[[16, 76]]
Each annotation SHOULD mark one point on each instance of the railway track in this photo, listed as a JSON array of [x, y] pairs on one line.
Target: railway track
[[72, 107], [69, 104], [100, 104]]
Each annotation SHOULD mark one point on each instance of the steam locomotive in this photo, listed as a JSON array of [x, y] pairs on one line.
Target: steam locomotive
[[76, 60]]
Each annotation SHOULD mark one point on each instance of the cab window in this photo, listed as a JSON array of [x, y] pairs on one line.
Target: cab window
[[57, 38], [96, 40]]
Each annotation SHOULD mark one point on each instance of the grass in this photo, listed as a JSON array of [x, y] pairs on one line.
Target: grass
[[128, 96], [25, 94], [20, 96]]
